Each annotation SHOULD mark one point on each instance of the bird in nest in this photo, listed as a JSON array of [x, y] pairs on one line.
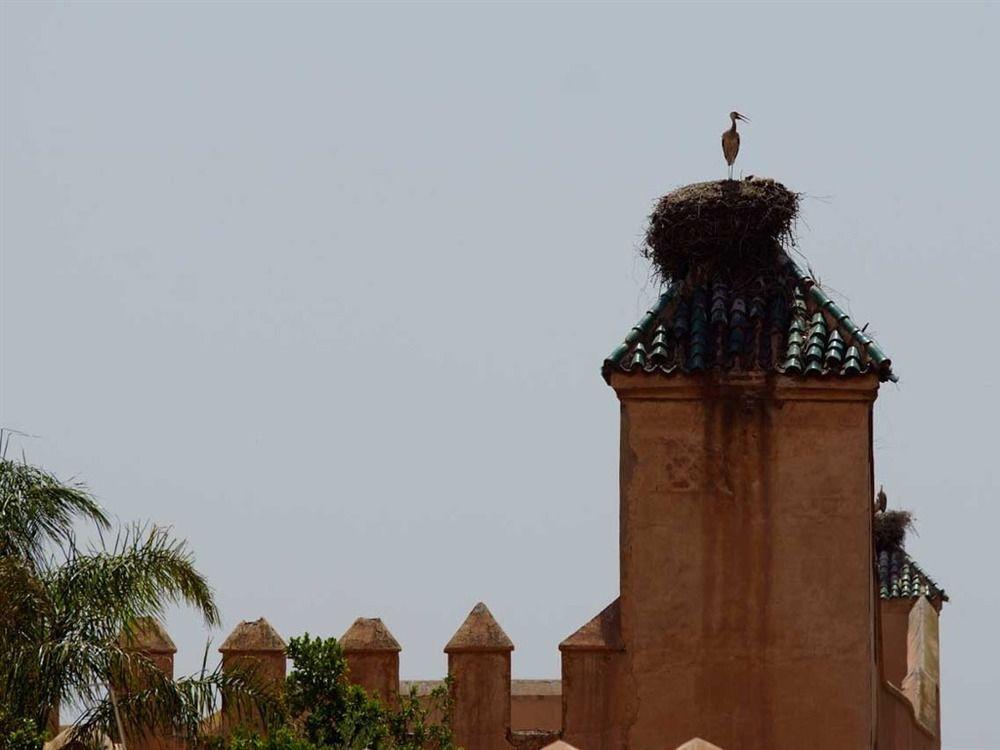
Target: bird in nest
[[731, 141]]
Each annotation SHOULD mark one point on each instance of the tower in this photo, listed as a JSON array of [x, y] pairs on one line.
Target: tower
[[747, 601]]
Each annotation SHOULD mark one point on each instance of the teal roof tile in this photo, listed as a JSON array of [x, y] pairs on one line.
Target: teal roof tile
[[785, 324], [899, 577]]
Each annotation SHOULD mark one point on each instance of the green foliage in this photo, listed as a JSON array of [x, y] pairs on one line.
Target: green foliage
[[412, 727], [331, 711], [37, 510], [67, 613], [326, 712], [66, 608], [18, 733], [283, 738]]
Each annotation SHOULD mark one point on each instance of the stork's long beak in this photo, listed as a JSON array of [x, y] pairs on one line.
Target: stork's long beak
[[741, 117]]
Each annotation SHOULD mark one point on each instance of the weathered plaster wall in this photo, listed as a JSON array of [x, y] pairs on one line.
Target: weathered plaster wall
[[482, 699], [534, 704], [898, 728], [894, 617], [377, 672], [747, 594], [592, 699], [536, 712]]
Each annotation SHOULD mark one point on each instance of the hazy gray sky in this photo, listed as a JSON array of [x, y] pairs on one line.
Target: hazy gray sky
[[327, 287]]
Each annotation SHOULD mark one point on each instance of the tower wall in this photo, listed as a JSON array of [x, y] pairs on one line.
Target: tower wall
[[746, 563], [894, 620], [372, 655]]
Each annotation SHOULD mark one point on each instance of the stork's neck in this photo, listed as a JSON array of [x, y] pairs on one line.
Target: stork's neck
[[732, 128]]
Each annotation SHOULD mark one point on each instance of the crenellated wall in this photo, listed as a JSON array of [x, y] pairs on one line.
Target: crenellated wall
[[748, 612], [584, 709]]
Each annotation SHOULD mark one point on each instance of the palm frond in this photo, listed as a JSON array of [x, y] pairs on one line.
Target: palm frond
[[37, 510], [152, 703], [144, 572]]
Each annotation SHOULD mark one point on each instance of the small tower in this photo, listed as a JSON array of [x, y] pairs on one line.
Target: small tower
[[255, 648], [479, 663], [373, 658], [592, 681], [149, 638]]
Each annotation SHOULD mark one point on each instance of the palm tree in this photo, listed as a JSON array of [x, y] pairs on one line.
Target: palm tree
[[68, 614]]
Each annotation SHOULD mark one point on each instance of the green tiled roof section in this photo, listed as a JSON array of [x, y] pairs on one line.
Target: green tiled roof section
[[642, 328], [899, 577], [788, 326], [858, 336]]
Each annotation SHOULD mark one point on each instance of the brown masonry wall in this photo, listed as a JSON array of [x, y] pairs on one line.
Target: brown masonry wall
[[747, 608], [746, 562], [592, 699], [534, 704], [594, 705], [898, 727], [894, 616]]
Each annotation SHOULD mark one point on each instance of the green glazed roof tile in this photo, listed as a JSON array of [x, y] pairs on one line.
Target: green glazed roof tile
[[792, 328], [899, 577]]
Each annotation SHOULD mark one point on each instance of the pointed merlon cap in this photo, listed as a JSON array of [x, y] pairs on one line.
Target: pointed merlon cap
[[149, 636], [698, 744], [368, 634], [479, 632], [253, 637], [602, 633]]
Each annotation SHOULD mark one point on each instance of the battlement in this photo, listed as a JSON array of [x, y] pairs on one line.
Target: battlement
[[578, 711]]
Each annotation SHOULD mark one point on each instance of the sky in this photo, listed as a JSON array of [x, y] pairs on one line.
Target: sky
[[327, 288]]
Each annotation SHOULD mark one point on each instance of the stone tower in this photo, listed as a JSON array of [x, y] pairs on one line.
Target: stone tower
[[747, 607]]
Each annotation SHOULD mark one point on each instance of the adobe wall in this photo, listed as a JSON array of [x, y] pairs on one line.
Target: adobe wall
[[746, 561], [894, 615], [898, 727], [592, 699], [536, 704], [594, 702], [481, 716]]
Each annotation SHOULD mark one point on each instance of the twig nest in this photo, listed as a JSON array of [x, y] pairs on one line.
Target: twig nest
[[727, 224], [890, 528]]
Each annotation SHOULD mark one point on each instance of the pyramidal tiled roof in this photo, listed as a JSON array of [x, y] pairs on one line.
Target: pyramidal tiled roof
[[784, 323], [899, 577]]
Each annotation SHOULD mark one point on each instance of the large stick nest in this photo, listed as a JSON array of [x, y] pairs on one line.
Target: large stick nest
[[890, 528], [728, 225]]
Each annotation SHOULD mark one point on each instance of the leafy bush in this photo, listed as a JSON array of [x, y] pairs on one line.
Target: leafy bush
[[283, 738], [412, 726], [331, 711], [18, 733], [324, 711]]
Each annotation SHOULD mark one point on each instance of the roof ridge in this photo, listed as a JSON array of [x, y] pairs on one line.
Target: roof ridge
[[933, 584], [844, 321]]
